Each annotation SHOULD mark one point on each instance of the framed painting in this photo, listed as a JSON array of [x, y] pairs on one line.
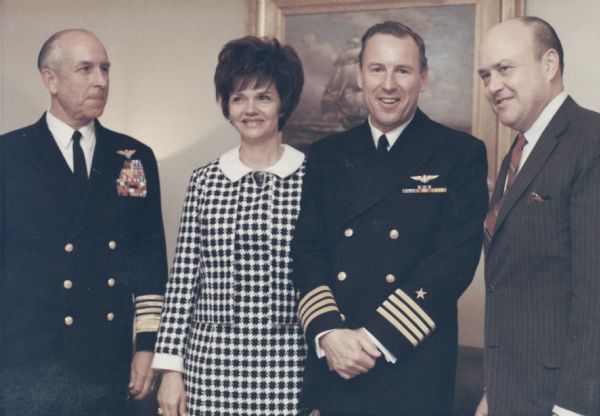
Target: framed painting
[[326, 34]]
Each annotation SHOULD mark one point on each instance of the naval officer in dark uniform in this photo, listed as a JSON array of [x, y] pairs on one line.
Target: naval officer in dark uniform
[[388, 238], [83, 252]]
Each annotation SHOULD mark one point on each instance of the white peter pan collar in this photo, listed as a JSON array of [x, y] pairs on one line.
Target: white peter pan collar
[[289, 162]]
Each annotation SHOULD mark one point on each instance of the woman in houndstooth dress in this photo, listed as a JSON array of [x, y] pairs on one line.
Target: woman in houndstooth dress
[[229, 342]]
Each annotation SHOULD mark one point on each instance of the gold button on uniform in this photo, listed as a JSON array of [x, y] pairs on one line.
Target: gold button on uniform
[[394, 234], [348, 232], [68, 320], [343, 317], [110, 316], [111, 282], [67, 284], [112, 244], [390, 278], [342, 276], [69, 247]]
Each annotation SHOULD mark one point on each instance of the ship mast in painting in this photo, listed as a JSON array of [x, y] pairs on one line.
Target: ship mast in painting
[[342, 100]]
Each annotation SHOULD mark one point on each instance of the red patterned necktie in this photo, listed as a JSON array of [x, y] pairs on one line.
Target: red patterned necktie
[[513, 170]]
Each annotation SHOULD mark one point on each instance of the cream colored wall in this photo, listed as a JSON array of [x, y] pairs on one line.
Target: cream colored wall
[[577, 23], [163, 56], [164, 53]]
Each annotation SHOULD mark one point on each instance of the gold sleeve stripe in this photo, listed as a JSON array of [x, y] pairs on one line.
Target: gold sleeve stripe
[[415, 308], [321, 312], [146, 318], [149, 297], [408, 312], [404, 320], [316, 307], [310, 307], [146, 325], [315, 299], [141, 305], [148, 311], [313, 292], [398, 326]]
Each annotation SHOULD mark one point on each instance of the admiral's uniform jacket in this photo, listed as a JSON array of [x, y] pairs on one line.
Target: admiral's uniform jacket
[[75, 272], [389, 246], [542, 268]]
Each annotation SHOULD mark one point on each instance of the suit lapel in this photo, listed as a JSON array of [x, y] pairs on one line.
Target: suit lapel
[[543, 149], [106, 165], [48, 160], [412, 149]]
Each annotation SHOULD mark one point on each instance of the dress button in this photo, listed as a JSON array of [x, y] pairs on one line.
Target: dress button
[[68, 320], [348, 232], [342, 276], [67, 284], [110, 316], [390, 278], [112, 244], [394, 234], [111, 282], [69, 247], [343, 317]]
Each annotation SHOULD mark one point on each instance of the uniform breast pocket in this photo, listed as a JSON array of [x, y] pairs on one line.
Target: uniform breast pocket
[[421, 203]]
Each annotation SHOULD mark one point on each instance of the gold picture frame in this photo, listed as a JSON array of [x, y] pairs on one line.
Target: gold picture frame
[[268, 18]]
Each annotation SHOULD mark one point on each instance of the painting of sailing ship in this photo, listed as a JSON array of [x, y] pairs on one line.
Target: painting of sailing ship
[[329, 44]]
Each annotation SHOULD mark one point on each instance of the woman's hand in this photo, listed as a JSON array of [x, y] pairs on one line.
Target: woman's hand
[[171, 395]]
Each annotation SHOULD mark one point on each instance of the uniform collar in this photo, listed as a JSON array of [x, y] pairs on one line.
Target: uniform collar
[[391, 135], [231, 165], [63, 133]]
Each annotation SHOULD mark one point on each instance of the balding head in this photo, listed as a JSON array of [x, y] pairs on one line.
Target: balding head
[[50, 55], [521, 68], [74, 68]]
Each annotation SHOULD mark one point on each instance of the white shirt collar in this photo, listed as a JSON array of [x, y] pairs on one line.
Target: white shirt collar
[[535, 131], [289, 162], [391, 135], [63, 133]]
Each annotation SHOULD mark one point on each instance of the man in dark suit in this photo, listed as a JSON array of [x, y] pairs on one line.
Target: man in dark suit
[[83, 252], [388, 238], [542, 266]]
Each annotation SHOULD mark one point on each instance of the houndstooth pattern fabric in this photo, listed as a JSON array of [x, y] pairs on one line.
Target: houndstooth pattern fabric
[[230, 305]]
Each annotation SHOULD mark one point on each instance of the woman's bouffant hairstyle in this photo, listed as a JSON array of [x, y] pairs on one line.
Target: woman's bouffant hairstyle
[[262, 62]]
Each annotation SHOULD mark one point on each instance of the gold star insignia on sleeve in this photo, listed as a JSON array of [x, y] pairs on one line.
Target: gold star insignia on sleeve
[[420, 293]]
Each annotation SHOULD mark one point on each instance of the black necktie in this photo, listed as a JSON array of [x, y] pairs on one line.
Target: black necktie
[[382, 146], [79, 167]]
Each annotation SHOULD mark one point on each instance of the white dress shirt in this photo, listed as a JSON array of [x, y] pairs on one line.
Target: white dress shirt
[[537, 128], [391, 135], [63, 136]]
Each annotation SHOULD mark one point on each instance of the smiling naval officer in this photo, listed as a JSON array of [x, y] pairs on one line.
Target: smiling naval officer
[[388, 238]]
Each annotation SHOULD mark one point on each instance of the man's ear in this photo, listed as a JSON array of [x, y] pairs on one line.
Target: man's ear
[[551, 63], [424, 79], [49, 80], [359, 76]]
